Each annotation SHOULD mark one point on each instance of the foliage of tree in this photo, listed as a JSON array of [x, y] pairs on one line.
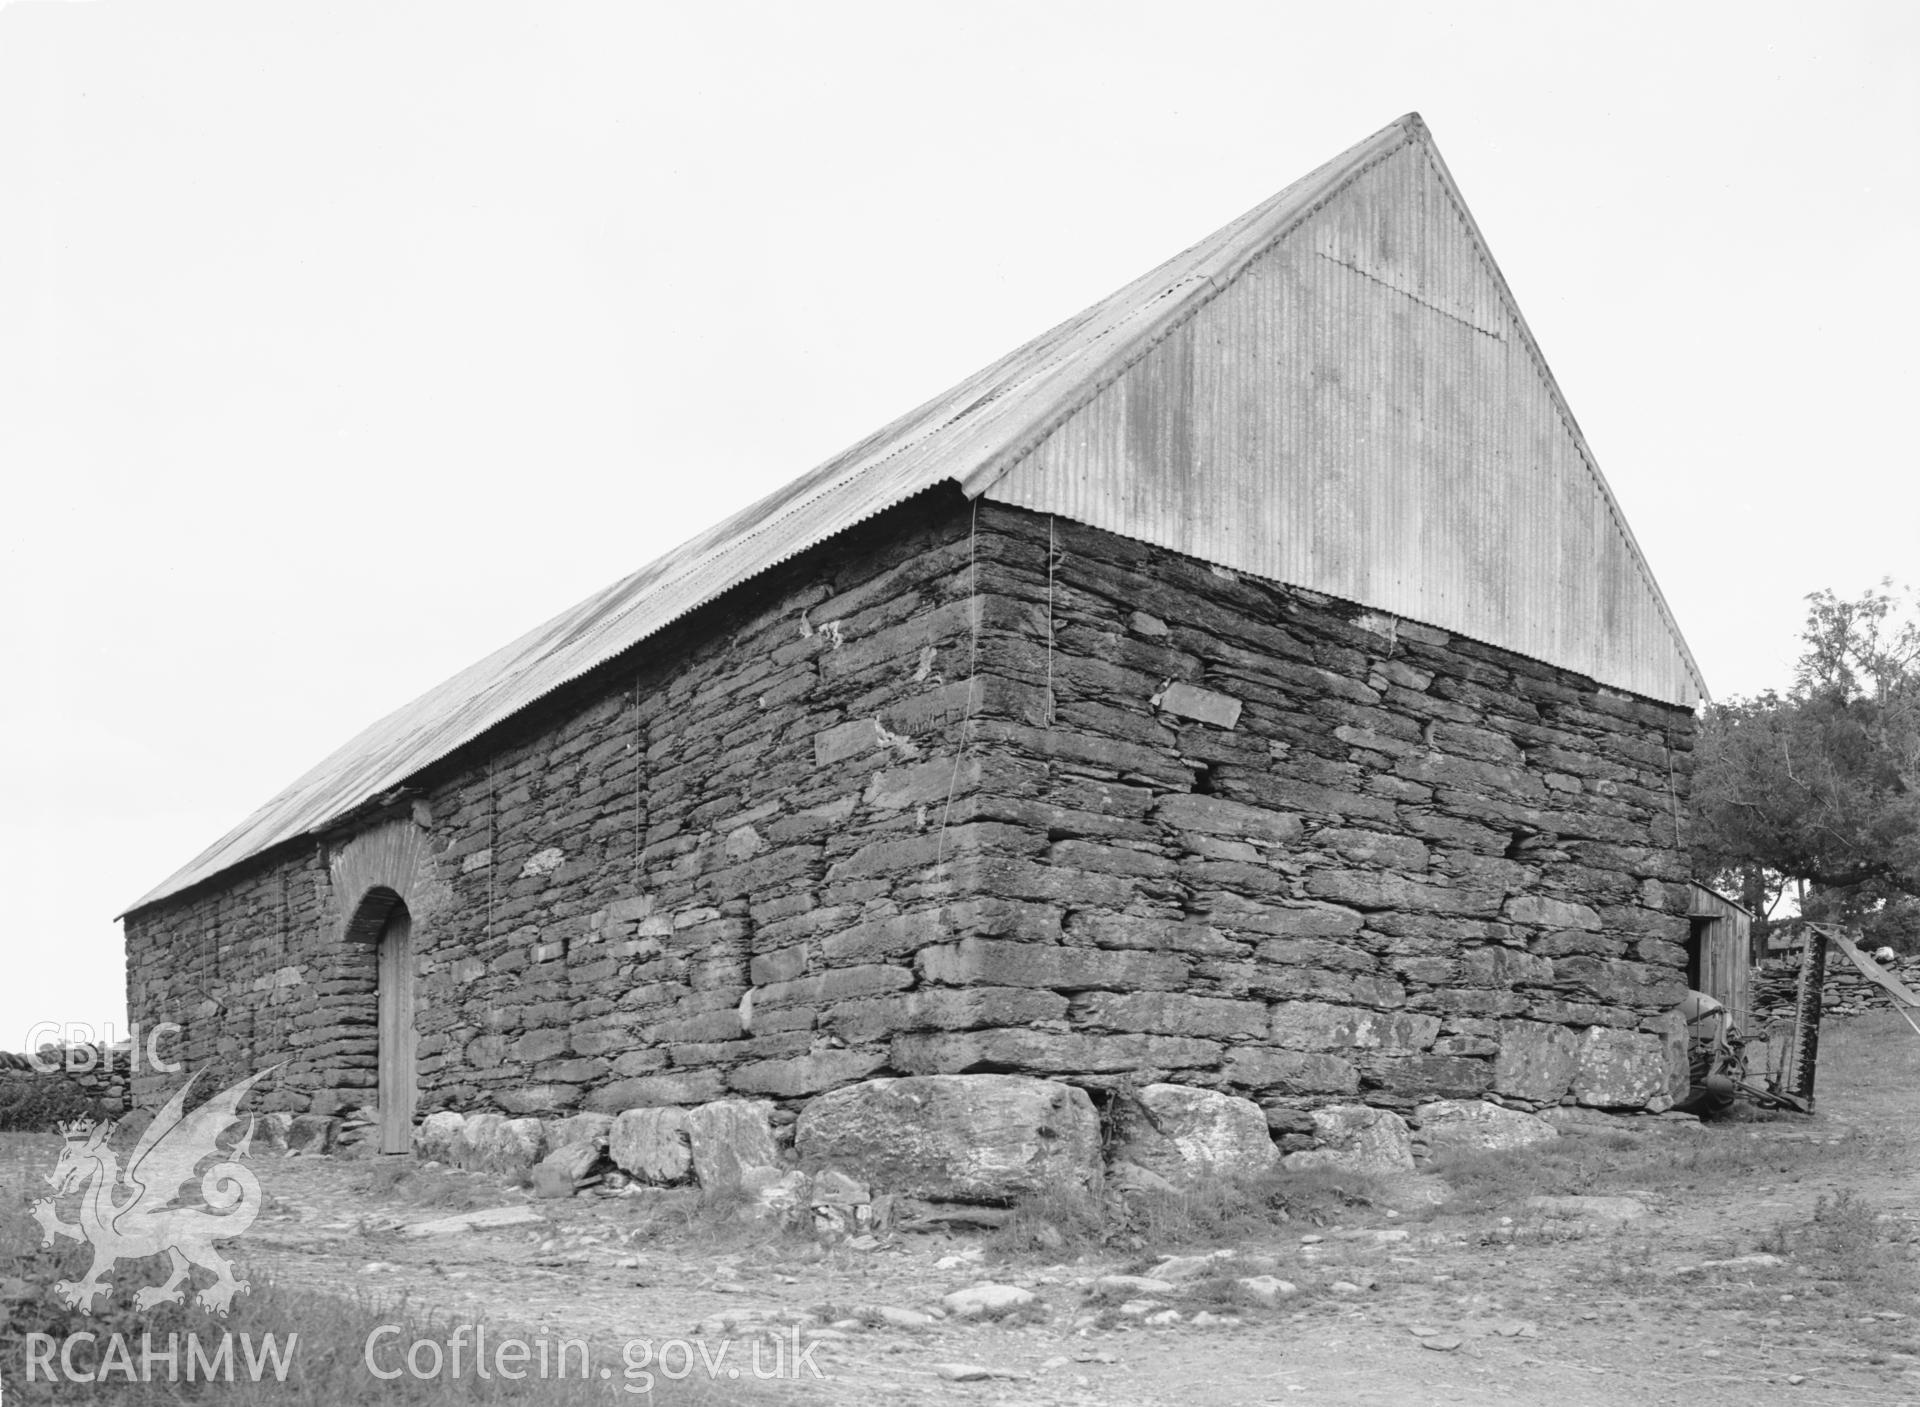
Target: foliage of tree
[[1818, 789]]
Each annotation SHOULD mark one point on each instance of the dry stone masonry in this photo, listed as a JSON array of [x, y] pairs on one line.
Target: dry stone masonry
[[967, 790], [86, 1079], [1846, 991]]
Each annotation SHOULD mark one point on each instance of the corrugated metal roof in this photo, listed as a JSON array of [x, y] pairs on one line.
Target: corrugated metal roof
[[973, 434]]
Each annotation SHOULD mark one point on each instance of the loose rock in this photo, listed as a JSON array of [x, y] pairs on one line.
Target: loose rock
[[1266, 1289], [565, 1170], [1134, 1285], [1598, 1208], [986, 1298], [895, 1317], [481, 1219], [971, 1372]]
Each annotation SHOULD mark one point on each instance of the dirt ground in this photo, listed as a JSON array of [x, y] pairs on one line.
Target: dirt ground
[[1476, 1301]]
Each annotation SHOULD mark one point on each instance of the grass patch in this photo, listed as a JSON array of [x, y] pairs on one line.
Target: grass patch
[[1205, 1211], [1222, 1211], [406, 1181], [1843, 1268], [1603, 1163], [1848, 1243], [309, 1348], [1057, 1224], [1222, 1292]]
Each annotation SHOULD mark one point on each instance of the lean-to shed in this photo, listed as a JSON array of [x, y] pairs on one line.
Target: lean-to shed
[[1720, 956]]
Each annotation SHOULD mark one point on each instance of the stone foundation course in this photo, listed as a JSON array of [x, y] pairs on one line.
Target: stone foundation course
[[978, 1140]]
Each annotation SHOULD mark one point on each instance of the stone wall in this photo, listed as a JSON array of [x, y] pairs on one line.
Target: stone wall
[[882, 811], [1244, 837], [597, 884], [251, 974], [95, 1072], [1846, 991]]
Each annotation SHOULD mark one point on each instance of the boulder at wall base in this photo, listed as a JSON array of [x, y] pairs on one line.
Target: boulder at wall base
[[1357, 1138], [957, 1138], [270, 1132], [438, 1137], [474, 1133], [728, 1139], [1622, 1070], [652, 1145], [312, 1133], [579, 1128], [566, 1168], [1474, 1126], [496, 1144], [1180, 1132]]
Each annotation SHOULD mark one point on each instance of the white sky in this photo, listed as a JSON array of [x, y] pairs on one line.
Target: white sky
[[341, 343]]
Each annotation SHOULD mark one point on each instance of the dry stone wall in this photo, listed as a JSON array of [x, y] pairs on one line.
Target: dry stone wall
[[1245, 837], [252, 974], [1846, 991], [91, 1075], [975, 791], [613, 873]]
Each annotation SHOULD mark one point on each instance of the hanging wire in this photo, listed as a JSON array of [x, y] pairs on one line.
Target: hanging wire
[[1673, 795], [1050, 555], [640, 759], [493, 839]]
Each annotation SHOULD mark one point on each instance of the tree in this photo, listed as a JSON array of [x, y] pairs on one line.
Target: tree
[[1818, 789]]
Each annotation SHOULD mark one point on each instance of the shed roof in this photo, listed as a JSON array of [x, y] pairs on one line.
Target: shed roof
[[1707, 901], [1334, 390]]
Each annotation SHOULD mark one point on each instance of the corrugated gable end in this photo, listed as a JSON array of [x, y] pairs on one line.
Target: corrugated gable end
[[1362, 411]]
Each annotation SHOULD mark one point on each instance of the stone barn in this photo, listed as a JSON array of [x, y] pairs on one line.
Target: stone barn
[[1250, 683]]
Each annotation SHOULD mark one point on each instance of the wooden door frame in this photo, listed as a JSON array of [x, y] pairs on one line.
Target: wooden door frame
[[383, 920], [399, 1085]]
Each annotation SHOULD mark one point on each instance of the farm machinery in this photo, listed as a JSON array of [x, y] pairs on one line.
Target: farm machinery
[[1717, 1052]]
